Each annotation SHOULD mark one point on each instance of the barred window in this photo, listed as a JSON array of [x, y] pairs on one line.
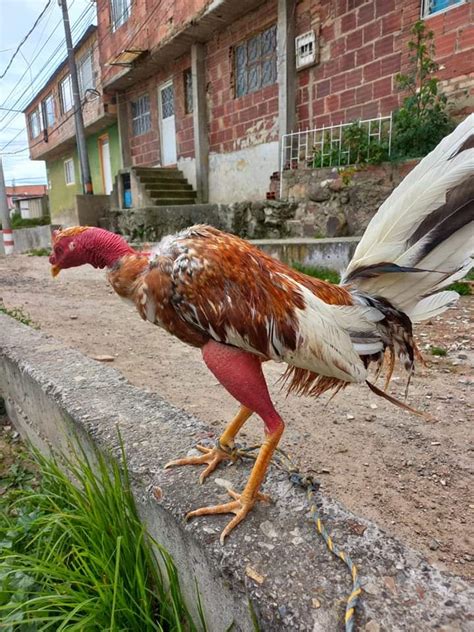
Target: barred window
[[120, 12], [141, 119], [65, 91], [430, 7], [69, 177], [188, 91], [86, 73], [36, 123], [48, 109], [255, 63]]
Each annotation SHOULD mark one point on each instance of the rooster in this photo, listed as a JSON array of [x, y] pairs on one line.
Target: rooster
[[241, 307]]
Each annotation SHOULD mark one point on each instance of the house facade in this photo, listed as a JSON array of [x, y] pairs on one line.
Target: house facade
[[30, 200], [52, 136], [211, 86]]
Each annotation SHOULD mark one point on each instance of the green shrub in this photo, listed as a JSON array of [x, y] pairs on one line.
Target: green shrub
[[422, 121], [18, 222]]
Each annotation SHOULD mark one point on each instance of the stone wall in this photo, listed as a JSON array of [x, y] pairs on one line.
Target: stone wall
[[316, 203], [252, 220], [334, 202]]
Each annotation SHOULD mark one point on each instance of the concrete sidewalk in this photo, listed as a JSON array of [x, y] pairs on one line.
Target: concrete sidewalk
[[274, 559]]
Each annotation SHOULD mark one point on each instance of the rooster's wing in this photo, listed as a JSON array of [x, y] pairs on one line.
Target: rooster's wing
[[230, 291]]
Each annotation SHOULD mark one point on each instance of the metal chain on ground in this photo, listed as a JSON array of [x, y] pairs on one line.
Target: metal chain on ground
[[282, 461]]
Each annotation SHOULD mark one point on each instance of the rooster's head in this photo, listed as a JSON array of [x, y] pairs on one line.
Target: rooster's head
[[78, 245]]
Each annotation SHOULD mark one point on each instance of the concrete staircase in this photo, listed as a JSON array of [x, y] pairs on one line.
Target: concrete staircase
[[165, 187]]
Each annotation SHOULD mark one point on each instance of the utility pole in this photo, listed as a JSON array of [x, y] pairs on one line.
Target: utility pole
[[5, 215], [76, 97]]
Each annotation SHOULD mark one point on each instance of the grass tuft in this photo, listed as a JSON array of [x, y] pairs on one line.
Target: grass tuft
[[39, 252], [18, 314], [77, 557], [438, 351], [325, 274]]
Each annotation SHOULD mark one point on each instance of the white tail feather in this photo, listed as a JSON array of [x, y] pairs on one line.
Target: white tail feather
[[421, 202], [431, 306]]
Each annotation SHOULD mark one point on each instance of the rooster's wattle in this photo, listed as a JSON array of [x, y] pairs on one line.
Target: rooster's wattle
[[217, 292]]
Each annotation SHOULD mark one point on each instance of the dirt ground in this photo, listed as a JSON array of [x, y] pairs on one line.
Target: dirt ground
[[412, 477]]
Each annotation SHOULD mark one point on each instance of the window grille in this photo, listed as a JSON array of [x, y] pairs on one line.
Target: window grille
[[36, 123], [120, 12], [188, 91], [69, 176], [141, 119], [255, 63], [48, 109], [86, 73], [65, 91]]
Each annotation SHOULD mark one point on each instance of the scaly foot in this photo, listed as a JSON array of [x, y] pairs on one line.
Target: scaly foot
[[240, 506], [211, 456]]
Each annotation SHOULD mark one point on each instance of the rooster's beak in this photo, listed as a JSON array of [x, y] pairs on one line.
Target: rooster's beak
[[55, 270]]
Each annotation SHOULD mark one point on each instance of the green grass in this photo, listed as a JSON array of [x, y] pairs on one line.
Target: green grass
[[39, 252], [326, 274], [18, 314], [438, 351], [77, 557], [18, 222]]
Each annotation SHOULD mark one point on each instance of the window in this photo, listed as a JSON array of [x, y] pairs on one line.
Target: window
[[429, 7], [255, 63], [69, 171], [141, 120], [188, 91], [36, 123], [65, 91], [48, 110], [120, 12], [86, 73]]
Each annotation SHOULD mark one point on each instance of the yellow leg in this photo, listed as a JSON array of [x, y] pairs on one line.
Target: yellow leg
[[213, 456], [243, 503]]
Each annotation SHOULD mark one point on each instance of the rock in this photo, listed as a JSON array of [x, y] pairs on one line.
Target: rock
[[372, 626], [103, 358], [268, 529], [255, 575], [433, 545], [318, 193], [350, 417], [222, 482]]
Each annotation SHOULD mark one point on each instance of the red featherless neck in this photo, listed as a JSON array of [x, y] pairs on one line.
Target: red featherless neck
[[102, 248]]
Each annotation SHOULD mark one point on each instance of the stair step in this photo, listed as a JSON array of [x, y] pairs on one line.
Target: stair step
[[167, 185], [158, 180], [172, 201], [159, 173], [173, 193]]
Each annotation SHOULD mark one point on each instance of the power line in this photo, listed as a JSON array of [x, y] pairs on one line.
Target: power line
[[25, 38], [19, 151], [47, 65]]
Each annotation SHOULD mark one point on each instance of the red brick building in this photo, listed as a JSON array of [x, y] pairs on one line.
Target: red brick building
[[212, 85]]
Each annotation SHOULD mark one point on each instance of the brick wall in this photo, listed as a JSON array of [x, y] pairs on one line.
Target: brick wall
[[145, 148], [236, 123], [151, 22], [363, 47], [63, 128]]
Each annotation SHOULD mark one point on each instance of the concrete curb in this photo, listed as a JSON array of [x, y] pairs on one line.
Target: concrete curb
[[54, 393]]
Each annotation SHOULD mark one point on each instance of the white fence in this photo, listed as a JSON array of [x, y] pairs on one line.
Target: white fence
[[337, 145]]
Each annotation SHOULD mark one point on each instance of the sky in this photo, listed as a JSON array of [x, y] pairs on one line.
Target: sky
[[42, 52]]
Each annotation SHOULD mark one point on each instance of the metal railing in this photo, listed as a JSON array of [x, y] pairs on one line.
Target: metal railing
[[336, 145]]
